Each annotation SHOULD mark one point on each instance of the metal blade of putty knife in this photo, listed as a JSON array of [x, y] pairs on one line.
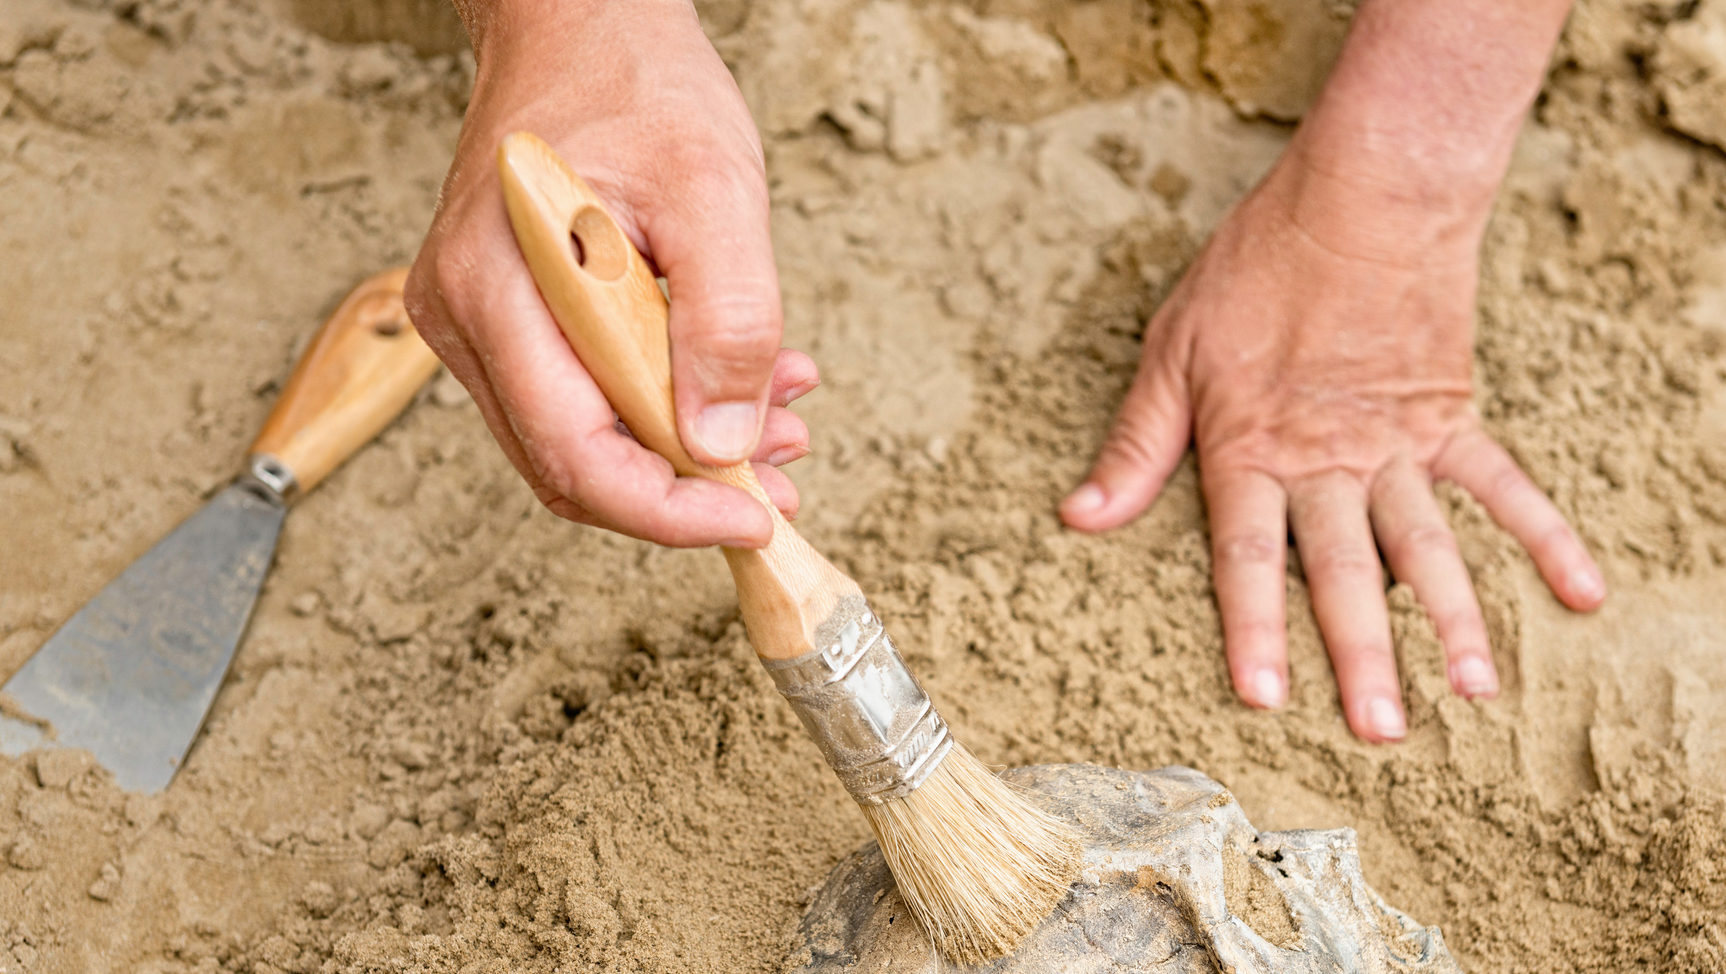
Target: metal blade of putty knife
[[131, 676]]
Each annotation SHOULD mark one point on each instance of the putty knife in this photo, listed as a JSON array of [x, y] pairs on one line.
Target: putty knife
[[132, 674]]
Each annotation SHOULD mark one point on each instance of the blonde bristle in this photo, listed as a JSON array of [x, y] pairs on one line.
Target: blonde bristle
[[978, 865]]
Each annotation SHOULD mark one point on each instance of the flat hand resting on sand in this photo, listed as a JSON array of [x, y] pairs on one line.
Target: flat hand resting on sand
[[634, 96], [1318, 353]]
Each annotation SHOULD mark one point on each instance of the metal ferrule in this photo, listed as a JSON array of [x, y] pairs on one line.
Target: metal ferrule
[[874, 724], [269, 478]]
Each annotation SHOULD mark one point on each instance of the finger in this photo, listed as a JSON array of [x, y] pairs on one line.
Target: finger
[[794, 375], [567, 430], [784, 438], [1328, 514], [1422, 551], [432, 319], [1485, 469], [714, 249], [780, 490], [462, 363], [1249, 555], [1149, 438]]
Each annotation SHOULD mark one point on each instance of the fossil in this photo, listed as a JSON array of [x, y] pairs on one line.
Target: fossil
[[1175, 880]]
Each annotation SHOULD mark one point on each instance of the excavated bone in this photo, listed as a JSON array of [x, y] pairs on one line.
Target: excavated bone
[[1175, 880]]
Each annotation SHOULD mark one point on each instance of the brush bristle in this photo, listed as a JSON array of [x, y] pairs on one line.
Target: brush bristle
[[978, 865]]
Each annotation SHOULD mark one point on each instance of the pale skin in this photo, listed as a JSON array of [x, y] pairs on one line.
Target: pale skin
[[1317, 355]]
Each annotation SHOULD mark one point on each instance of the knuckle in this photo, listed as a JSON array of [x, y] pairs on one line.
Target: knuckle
[[1250, 549], [418, 293], [1254, 635], [1428, 541], [555, 479], [1370, 655], [736, 332], [1347, 561], [1130, 444], [1509, 484], [707, 170], [450, 267], [438, 294], [422, 298], [566, 509], [693, 159], [550, 497]]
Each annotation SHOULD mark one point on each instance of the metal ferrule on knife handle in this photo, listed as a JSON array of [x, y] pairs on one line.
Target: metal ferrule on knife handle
[[875, 725], [268, 477]]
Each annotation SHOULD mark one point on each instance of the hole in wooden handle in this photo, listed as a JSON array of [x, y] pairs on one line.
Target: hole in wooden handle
[[383, 313], [599, 244]]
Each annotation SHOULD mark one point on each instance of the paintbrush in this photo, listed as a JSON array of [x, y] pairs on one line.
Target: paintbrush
[[977, 864]]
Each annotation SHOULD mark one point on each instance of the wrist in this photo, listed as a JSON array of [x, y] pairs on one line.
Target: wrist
[[548, 65], [1384, 203], [1404, 150], [505, 30], [1391, 148]]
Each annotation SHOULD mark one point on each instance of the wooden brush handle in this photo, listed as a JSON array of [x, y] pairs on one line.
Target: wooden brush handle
[[360, 371], [602, 294]]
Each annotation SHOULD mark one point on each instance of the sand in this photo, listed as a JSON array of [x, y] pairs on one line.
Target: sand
[[464, 736]]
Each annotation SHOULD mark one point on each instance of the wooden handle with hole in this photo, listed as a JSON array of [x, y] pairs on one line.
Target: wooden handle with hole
[[602, 294], [358, 374]]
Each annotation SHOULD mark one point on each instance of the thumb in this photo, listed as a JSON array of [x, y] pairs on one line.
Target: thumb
[[1149, 438], [717, 257]]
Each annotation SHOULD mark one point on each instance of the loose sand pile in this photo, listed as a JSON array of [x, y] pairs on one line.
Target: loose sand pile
[[463, 736]]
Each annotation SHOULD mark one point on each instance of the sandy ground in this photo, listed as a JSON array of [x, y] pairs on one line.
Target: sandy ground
[[463, 736]]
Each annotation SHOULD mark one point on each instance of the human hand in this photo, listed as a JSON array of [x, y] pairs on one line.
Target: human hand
[[639, 103], [1318, 353]]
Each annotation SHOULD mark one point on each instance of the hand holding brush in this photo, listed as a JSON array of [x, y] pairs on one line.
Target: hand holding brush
[[977, 864]]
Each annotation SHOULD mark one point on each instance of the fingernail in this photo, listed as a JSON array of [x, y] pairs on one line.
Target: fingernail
[[1586, 584], [786, 454], [1474, 677], [727, 430], [1086, 499], [1384, 718], [1267, 689]]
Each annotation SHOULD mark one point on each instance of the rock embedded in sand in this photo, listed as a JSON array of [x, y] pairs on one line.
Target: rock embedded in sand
[[411, 754], [107, 884], [304, 604], [25, 853], [55, 768], [1690, 73], [369, 819], [319, 899]]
